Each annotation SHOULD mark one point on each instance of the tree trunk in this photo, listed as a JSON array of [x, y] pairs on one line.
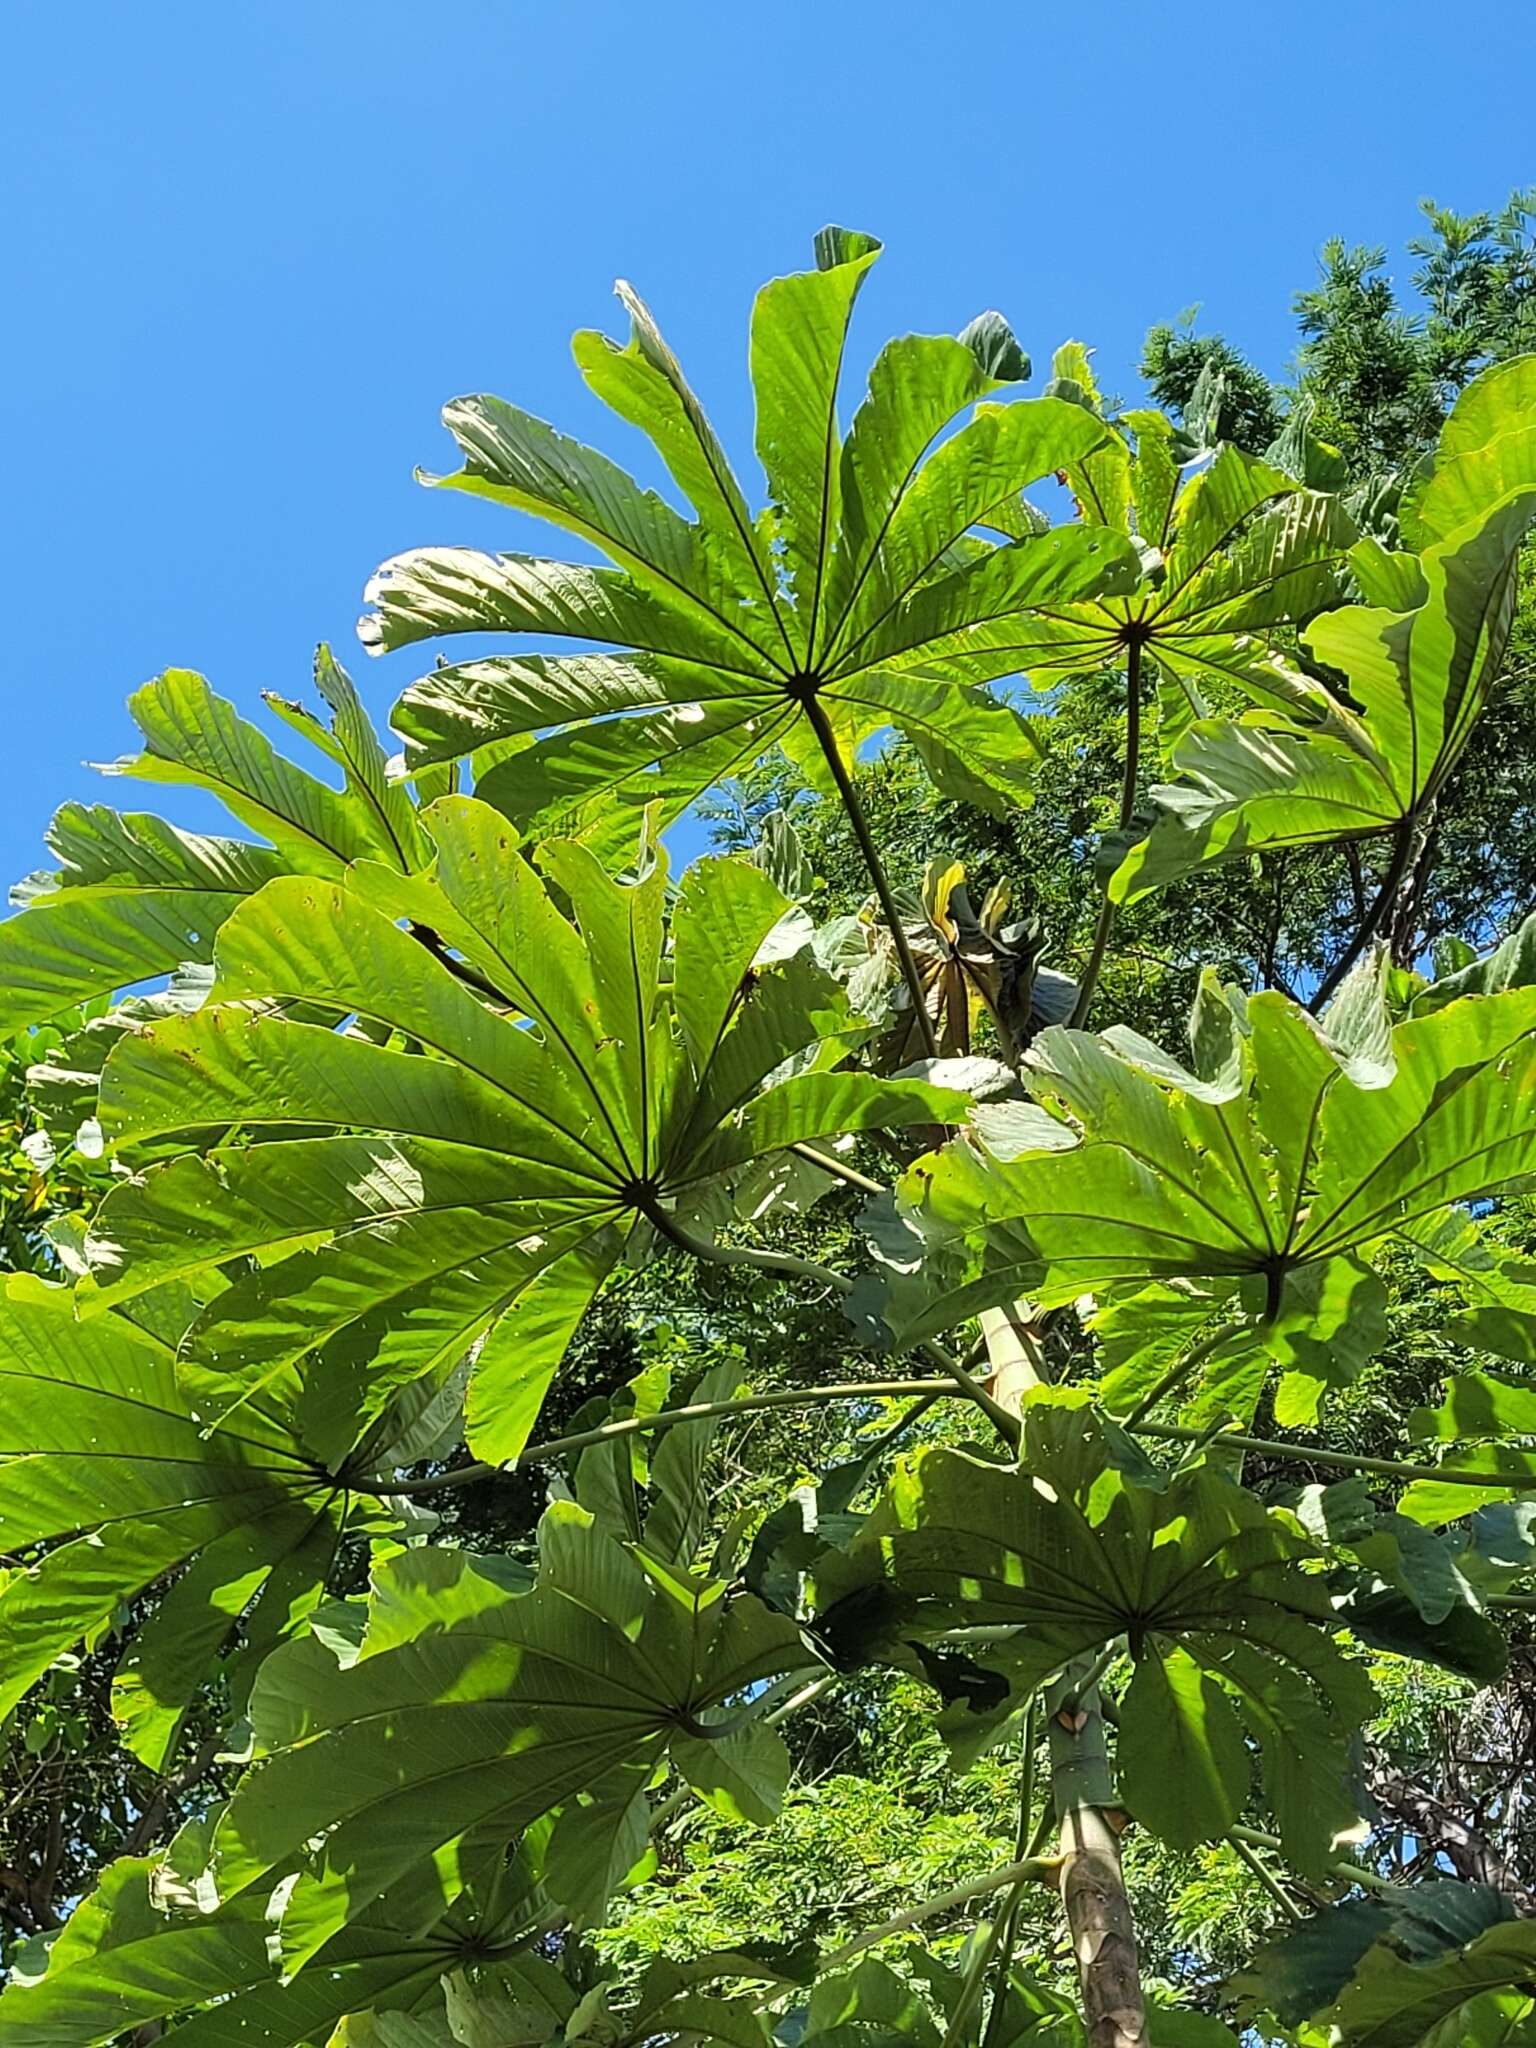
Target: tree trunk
[[1093, 1893]]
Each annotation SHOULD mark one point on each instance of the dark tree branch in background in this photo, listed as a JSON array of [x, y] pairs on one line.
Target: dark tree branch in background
[[1356, 877], [192, 1773], [1379, 913], [1433, 1822]]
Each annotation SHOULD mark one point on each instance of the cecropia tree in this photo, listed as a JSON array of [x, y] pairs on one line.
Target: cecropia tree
[[443, 1056]]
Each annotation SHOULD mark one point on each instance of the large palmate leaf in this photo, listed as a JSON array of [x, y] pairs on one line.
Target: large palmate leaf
[[127, 1957], [1256, 1184], [1435, 1966], [1511, 964], [469, 1171], [135, 896], [828, 618], [1485, 1992], [1418, 662], [1227, 556], [1301, 1973], [527, 2003], [475, 1708], [108, 1484], [1225, 1627], [1416, 1591], [1485, 1422]]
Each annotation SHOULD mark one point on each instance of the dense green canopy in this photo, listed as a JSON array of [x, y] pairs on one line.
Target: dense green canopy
[[435, 1428]]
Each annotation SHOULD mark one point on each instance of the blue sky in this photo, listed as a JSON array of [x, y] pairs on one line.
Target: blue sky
[[251, 249]]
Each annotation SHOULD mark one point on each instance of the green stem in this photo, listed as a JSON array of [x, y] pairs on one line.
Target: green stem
[[821, 726], [781, 1709], [1349, 1461], [1109, 909], [803, 1698], [773, 1696], [1351, 1873], [1044, 1828], [1176, 1375], [828, 1164], [1267, 1878], [742, 1254], [1023, 1847], [460, 969], [1007, 1425], [1088, 1683], [1027, 1778], [976, 1977], [665, 1418], [1019, 1872]]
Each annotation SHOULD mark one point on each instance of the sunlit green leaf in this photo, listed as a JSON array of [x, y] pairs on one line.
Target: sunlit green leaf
[[1417, 667], [497, 1709], [479, 1188], [862, 599], [251, 1510], [135, 896], [1265, 1186], [1070, 1555]]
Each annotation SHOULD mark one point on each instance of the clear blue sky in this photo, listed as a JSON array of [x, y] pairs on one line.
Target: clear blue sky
[[250, 249]]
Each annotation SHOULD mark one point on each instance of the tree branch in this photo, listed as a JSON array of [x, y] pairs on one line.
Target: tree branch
[[1093, 1893], [1430, 1820], [43, 1909], [1411, 897], [191, 1773]]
